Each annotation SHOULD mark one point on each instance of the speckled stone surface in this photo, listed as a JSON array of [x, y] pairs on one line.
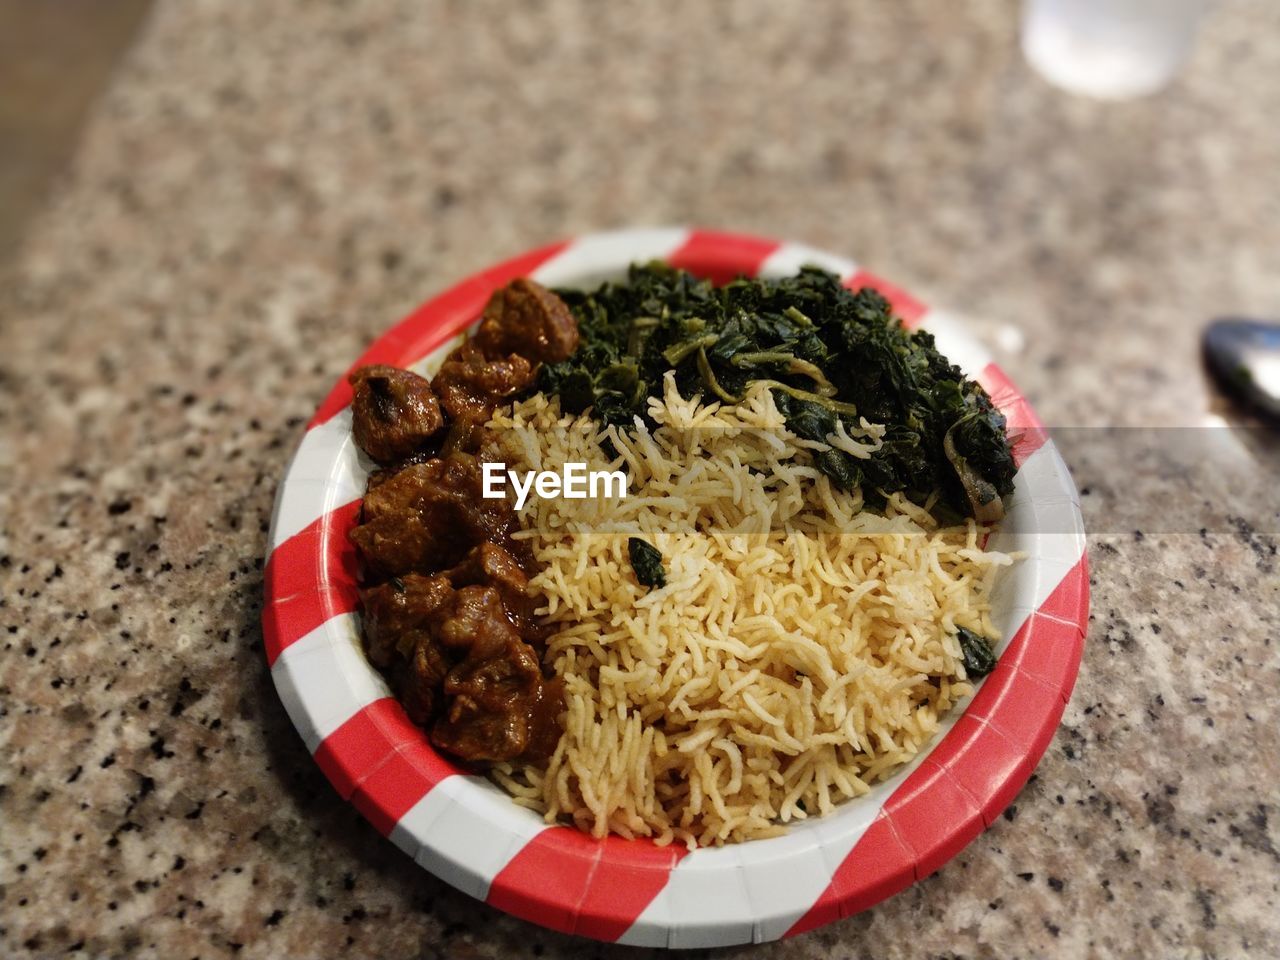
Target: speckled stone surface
[[267, 186]]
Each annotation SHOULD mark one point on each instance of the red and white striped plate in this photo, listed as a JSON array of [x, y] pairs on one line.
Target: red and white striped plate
[[464, 830]]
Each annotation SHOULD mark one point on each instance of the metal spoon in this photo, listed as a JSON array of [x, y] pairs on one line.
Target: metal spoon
[[1244, 357]]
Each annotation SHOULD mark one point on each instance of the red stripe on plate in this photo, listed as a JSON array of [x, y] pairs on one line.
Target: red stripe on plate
[[1025, 429], [568, 881], [363, 742], [408, 775], [721, 257], [926, 822], [1025, 705], [904, 305], [933, 816], [984, 763], [310, 578], [1055, 653], [1069, 602], [435, 322], [884, 866], [990, 752]]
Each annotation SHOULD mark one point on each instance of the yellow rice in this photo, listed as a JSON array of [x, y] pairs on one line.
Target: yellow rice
[[801, 650]]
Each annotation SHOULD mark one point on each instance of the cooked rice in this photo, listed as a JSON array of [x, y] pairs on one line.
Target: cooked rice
[[800, 651]]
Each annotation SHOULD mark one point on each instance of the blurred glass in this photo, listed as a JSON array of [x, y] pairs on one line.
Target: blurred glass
[[1112, 49]]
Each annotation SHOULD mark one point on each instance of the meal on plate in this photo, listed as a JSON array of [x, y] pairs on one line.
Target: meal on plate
[[776, 611]]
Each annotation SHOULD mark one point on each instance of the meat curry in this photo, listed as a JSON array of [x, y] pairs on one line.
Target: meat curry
[[448, 615]]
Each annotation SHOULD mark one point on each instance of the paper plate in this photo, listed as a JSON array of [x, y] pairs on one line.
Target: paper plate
[[465, 831]]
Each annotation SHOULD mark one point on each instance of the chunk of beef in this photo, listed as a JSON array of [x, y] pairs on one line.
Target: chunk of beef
[[427, 516], [474, 623], [470, 385], [485, 717], [475, 438], [543, 711], [378, 477], [527, 727], [495, 678], [395, 610], [497, 705], [420, 683], [393, 413], [488, 564], [527, 319], [470, 731], [487, 696]]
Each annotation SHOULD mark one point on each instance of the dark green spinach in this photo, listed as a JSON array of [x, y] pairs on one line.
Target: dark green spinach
[[829, 353], [646, 561], [979, 658]]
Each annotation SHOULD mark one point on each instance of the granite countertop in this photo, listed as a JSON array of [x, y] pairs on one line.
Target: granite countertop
[[266, 187]]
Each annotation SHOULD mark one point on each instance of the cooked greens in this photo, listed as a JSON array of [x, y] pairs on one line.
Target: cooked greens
[[979, 658], [646, 561], [830, 355]]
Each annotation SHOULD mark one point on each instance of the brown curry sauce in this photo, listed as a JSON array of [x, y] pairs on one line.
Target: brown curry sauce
[[448, 616]]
